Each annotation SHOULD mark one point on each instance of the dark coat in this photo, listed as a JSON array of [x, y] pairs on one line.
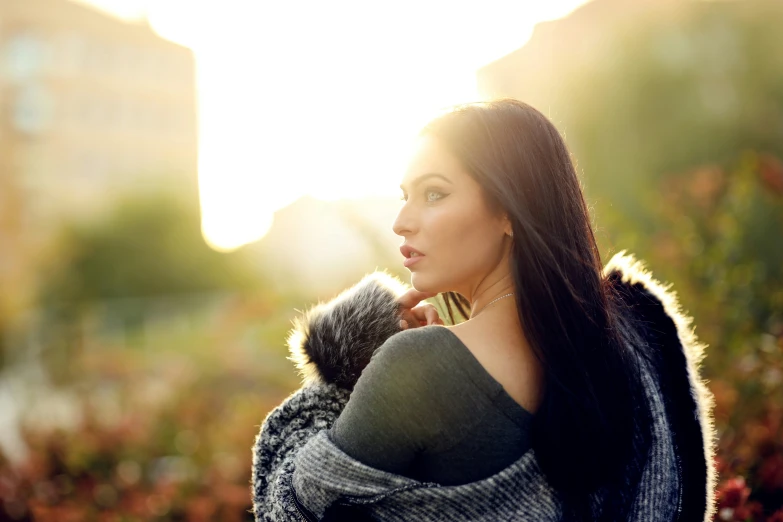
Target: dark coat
[[299, 474]]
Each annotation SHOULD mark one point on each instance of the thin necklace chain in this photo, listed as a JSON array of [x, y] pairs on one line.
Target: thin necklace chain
[[489, 303]]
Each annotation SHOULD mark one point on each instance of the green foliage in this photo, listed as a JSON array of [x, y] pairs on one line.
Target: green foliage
[[698, 85], [150, 245], [717, 239], [723, 232]]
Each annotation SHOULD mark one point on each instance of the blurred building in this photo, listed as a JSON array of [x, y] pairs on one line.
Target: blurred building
[[535, 72], [91, 106]]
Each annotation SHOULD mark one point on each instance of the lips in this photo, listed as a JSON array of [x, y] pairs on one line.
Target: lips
[[412, 260], [407, 250]]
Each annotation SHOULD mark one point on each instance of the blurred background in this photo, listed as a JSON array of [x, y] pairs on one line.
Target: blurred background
[[178, 179]]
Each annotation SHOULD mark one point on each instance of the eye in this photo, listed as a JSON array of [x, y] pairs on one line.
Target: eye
[[428, 192], [441, 195]]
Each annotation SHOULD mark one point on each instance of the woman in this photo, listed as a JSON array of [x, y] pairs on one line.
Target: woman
[[571, 392]]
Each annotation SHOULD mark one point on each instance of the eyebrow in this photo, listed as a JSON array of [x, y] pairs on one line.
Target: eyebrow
[[428, 175]]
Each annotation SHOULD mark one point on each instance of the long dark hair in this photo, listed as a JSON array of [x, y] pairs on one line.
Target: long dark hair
[[583, 432]]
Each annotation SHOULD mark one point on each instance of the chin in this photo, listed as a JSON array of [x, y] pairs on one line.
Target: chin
[[422, 283]]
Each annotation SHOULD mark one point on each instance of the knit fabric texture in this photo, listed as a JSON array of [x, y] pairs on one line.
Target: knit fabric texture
[[299, 474]]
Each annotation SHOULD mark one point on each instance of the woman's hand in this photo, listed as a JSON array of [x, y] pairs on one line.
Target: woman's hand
[[413, 314]]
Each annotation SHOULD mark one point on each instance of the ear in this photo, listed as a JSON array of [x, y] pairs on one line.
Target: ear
[[507, 227]]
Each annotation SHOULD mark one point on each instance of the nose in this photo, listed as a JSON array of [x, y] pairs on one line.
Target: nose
[[403, 223]]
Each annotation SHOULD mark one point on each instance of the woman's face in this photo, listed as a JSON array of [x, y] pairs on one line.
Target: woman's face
[[444, 217]]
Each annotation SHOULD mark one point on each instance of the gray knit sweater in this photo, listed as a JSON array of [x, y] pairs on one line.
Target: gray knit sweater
[[298, 474]]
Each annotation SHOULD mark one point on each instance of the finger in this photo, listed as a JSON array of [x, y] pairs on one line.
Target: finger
[[412, 297], [425, 313], [432, 315], [415, 322], [411, 319], [419, 313], [407, 316]]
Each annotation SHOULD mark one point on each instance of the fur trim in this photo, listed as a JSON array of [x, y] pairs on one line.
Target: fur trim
[[334, 341], [679, 353]]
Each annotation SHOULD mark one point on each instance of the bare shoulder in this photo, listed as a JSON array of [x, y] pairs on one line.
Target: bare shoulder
[[507, 357], [477, 337], [464, 331]]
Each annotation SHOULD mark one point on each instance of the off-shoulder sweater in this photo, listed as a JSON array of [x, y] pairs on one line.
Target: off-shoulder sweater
[[426, 408]]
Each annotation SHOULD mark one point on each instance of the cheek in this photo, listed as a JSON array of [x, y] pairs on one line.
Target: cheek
[[445, 225], [458, 233]]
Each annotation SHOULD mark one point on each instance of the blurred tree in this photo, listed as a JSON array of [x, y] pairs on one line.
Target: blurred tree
[[146, 259], [647, 90], [719, 238], [698, 86], [150, 245]]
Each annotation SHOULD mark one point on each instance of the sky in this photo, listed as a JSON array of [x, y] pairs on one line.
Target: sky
[[323, 98]]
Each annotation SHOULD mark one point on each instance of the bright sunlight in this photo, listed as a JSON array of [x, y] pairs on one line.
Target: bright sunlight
[[296, 101]]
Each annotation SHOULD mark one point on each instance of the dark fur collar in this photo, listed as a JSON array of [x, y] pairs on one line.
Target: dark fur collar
[[678, 353], [332, 342]]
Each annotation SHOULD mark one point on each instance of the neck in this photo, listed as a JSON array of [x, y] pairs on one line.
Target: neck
[[505, 295], [493, 285]]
